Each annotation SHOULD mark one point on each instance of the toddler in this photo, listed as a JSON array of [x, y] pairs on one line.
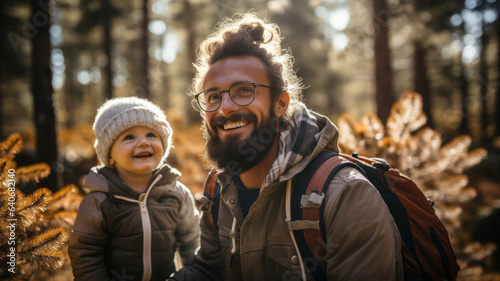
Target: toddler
[[137, 214]]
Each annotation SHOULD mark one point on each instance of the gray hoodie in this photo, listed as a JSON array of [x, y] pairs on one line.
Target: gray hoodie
[[120, 234]]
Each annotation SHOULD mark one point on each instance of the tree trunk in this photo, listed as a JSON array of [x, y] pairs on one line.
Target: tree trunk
[[384, 91], [464, 90], [144, 70], [421, 80], [41, 87], [108, 74], [497, 104], [193, 115], [484, 83]]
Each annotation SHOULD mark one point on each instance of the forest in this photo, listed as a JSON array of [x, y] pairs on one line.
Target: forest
[[413, 82]]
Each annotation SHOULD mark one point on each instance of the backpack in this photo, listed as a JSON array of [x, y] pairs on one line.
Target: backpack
[[426, 249]]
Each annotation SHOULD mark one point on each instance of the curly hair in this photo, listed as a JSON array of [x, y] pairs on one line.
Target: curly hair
[[248, 34]]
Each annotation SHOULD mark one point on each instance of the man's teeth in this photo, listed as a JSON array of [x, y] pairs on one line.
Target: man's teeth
[[234, 125]]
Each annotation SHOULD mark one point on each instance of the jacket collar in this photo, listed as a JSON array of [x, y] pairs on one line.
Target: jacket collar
[[305, 136], [106, 179]]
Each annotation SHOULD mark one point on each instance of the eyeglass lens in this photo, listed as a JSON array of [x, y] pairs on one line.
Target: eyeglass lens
[[240, 94]]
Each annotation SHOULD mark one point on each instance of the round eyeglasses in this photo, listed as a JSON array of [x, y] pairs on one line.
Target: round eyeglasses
[[241, 94]]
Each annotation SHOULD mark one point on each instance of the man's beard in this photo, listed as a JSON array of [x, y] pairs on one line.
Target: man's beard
[[237, 156]]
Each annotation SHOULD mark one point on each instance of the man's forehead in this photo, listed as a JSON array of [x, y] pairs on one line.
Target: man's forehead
[[232, 69]]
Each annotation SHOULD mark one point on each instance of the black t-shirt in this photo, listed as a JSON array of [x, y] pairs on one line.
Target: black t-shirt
[[246, 196]]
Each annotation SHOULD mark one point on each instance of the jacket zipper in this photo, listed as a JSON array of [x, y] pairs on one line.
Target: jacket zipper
[[146, 229]]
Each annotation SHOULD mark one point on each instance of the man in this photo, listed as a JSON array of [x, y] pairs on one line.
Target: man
[[259, 136]]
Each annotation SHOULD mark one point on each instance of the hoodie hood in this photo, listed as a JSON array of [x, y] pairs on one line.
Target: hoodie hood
[[107, 180], [305, 135]]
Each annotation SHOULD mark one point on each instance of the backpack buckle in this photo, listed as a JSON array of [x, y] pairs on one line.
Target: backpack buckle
[[206, 204], [312, 200]]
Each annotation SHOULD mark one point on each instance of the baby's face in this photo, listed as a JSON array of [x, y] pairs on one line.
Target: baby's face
[[137, 151]]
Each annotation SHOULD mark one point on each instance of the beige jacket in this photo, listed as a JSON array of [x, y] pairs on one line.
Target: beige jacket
[[363, 242]]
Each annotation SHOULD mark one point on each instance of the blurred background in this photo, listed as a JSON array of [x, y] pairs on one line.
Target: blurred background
[[61, 59]]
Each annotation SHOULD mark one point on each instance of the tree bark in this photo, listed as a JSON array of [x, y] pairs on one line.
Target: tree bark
[[497, 103], [421, 80], [484, 83], [193, 115], [464, 91], [108, 73], [384, 91], [144, 71], [41, 88]]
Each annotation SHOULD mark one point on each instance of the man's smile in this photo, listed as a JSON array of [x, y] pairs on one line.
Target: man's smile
[[230, 125]]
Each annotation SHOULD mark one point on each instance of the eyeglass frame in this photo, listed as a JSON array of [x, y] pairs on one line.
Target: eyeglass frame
[[228, 91]]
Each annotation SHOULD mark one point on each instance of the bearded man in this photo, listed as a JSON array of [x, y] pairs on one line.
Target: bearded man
[[259, 137]]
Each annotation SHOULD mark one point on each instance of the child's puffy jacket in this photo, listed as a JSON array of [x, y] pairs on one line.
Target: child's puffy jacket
[[120, 234]]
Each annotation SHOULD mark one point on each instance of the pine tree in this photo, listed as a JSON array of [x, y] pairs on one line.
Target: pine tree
[[438, 169], [32, 240]]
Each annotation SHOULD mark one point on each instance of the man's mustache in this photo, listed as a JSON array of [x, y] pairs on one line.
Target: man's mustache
[[221, 120]]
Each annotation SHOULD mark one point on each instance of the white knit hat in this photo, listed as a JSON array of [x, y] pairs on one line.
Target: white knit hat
[[120, 114]]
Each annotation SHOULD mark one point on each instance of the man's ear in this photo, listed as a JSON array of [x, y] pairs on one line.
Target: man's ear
[[281, 104]]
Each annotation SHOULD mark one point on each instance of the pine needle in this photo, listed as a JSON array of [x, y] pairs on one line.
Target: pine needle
[[68, 199], [34, 173], [28, 207], [50, 240], [5, 165], [46, 261], [11, 146]]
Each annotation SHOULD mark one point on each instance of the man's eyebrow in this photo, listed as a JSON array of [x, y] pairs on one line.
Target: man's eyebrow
[[234, 83]]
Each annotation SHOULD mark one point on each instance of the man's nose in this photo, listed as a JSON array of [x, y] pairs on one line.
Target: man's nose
[[227, 104]]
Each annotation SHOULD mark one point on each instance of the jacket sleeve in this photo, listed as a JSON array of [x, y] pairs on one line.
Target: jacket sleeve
[[188, 228], [363, 242], [208, 261], [87, 240]]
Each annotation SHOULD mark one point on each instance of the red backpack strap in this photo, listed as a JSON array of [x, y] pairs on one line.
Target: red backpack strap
[[207, 201], [307, 221], [316, 185]]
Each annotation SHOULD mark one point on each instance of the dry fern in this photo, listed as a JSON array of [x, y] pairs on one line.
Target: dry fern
[[418, 152]]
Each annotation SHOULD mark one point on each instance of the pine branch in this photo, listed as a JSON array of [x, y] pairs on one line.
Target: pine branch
[[27, 208], [67, 198], [50, 240], [46, 261], [5, 165], [34, 173], [11, 146]]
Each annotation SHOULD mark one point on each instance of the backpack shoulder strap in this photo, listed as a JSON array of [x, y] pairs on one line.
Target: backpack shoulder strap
[[309, 190], [210, 200]]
